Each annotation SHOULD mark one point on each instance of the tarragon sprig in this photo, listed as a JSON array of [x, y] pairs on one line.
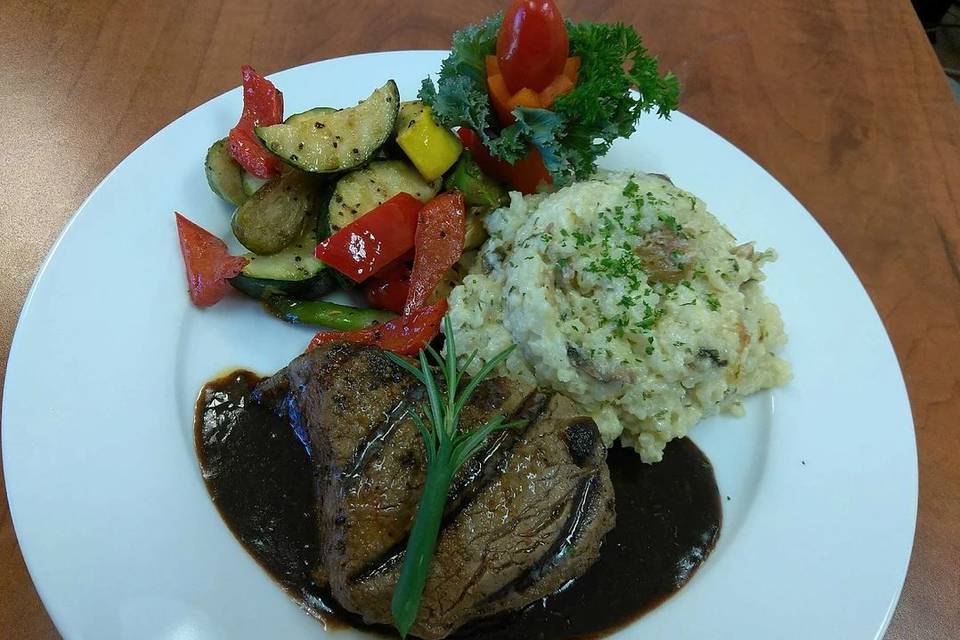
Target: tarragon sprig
[[447, 449]]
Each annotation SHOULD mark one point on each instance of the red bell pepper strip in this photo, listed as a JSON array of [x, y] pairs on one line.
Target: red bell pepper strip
[[388, 290], [529, 172], [262, 106], [439, 244], [525, 175], [405, 335], [374, 240], [491, 166], [208, 263], [246, 149]]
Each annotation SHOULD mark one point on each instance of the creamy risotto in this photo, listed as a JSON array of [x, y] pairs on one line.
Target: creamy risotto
[[627, 295]]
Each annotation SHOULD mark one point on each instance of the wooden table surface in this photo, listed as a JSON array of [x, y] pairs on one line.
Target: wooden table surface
[[841, 100]]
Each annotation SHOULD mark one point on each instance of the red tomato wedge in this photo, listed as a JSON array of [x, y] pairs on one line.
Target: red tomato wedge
[[438, 246], [405, 335], [262, 105], [208, 263], [532, 44], [388, 290], [374, 240]]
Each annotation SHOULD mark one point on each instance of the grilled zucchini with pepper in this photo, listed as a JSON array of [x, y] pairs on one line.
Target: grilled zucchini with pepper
[[307, 116], [294, 272], [224, 175], [335, 140], [365, 189], [251, 183], [325, 314]]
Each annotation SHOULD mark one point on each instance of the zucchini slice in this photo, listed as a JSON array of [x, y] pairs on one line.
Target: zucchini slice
[[292, 273], [224, 175], [336, 140], [251, 183], [365, 189], [273, 217], [479, 189], [309, 115]]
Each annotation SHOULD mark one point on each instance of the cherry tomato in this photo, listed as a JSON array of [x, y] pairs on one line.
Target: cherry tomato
[[532, 44]]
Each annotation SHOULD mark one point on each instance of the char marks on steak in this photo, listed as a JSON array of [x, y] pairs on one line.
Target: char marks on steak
[[524, 516]]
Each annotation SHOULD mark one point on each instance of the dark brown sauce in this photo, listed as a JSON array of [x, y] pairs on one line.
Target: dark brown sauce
[[259, 476]]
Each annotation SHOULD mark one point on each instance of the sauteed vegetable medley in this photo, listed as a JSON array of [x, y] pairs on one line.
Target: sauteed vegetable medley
[[389, 196]]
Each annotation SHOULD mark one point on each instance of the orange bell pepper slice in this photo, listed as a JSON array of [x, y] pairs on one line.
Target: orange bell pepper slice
[[500, 99], [560, 85], [571, 68], [525, 98], [493, 68]]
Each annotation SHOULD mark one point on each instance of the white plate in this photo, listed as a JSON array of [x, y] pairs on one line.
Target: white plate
[[123, 542]]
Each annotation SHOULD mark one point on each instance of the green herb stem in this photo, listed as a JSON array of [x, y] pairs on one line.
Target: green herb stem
[[447, 448], [423, 542]]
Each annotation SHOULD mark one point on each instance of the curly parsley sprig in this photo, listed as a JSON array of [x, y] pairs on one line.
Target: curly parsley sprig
[[618, 82]]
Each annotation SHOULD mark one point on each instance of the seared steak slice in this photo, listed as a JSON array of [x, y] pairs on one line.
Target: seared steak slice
[[526, 515]]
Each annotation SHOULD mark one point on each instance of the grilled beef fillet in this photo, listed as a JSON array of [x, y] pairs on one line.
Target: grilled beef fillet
[[524, 516]]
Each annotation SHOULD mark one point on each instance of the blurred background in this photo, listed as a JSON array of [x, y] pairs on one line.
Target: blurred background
[[941, 21]]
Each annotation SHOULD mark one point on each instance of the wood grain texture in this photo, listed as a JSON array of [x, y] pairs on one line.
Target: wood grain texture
[[841, 100]]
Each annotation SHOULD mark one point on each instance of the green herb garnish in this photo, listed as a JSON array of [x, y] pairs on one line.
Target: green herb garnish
[[581, 125], [447, 448]]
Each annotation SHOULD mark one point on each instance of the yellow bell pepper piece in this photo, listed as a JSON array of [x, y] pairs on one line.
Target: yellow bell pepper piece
[[431, 148]]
